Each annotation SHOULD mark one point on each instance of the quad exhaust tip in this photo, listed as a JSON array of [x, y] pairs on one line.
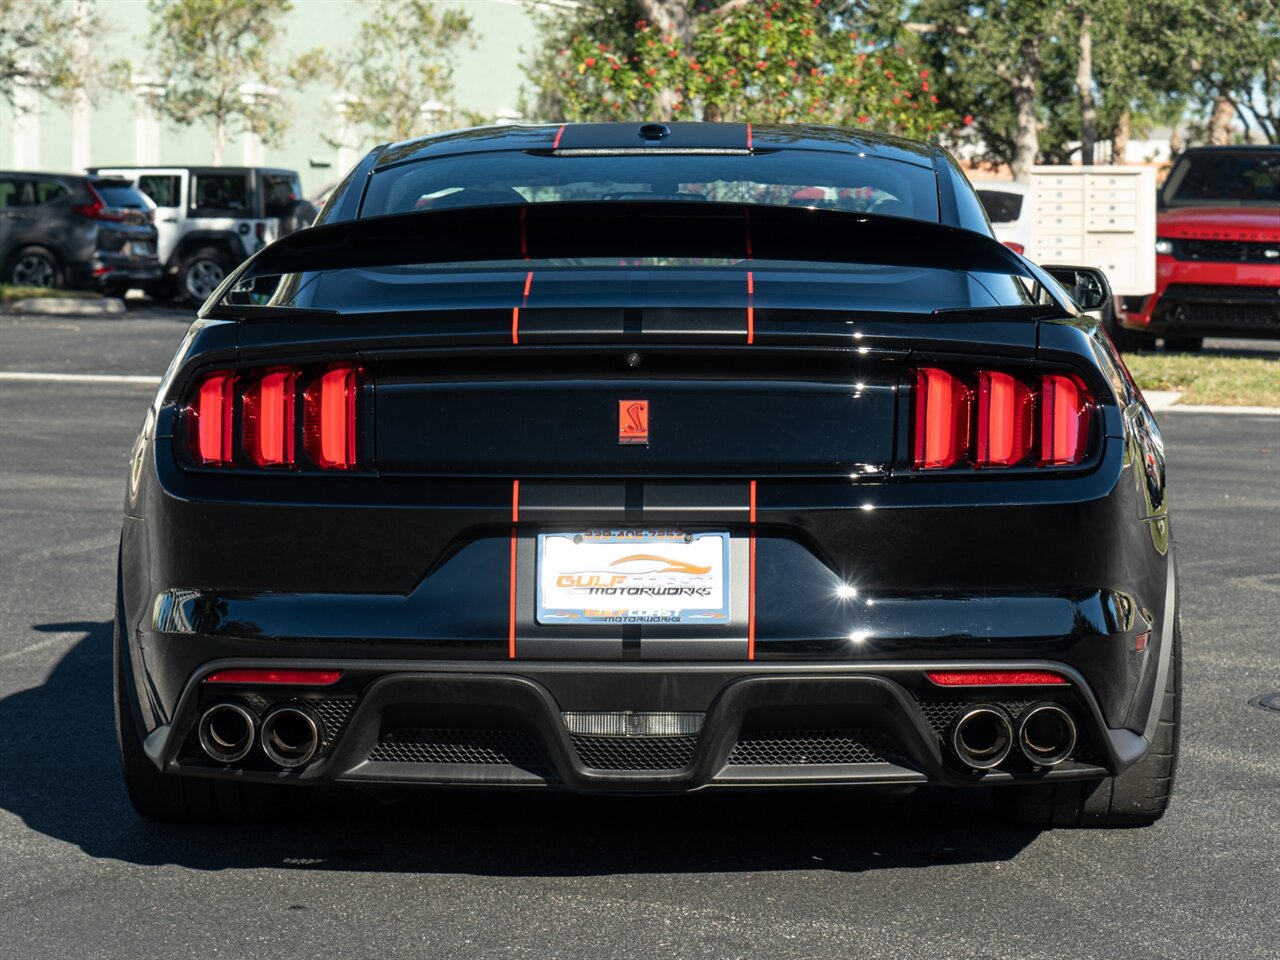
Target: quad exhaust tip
[[291, 735], [982, 736], [1046, 734], [227, 731]]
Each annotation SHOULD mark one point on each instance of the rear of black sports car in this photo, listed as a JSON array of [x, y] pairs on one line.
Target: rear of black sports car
[[648, 459]]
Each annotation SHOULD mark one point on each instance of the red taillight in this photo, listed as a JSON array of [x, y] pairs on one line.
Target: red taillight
[[97, 209], [995, 678], [329, 419], [942, 419], [210, 419], [987, 418], [311, 678], [1015, 247], [1006, 415], [1064, 420], [269, 422], [263, 432]]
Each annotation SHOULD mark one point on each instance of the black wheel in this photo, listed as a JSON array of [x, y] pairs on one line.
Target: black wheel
[[1126, 341], [34, 267], [1135, 798], [170, 798], [1184, 344], [296, 216], [201, 272]]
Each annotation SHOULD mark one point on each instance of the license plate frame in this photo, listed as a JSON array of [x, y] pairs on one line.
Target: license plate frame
[[630, 576]]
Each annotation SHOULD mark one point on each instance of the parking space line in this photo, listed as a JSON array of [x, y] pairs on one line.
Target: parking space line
[[80, 378]]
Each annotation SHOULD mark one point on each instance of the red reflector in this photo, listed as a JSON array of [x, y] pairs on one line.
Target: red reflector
[[269, 422], [210, 419], [1142, 641], [1015, 247], [311, 678], [1064, 420], [995, 678], [942, 405], [329, 419], [1006, 413]]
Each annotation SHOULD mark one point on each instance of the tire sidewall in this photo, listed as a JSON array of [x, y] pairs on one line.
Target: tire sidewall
[[55, 266]]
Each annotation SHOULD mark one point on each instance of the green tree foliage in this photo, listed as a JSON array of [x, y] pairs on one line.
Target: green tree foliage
[[204, 51], [786, 61], [36, 49], [401, 61]]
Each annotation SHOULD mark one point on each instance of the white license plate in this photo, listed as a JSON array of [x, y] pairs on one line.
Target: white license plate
[[633, 577], [141, 248]]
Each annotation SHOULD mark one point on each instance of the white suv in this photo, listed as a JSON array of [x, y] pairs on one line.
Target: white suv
[[209, 219]]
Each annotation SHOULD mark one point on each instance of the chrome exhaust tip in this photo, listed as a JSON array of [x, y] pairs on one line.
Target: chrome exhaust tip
[[227, 731], [1046, 734], [982, 736], [291, 735]]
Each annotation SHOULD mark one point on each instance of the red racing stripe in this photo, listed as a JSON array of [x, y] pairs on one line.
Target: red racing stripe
[[555, 144], [751, 308], [511, 600], [515, 311], [748, 136]]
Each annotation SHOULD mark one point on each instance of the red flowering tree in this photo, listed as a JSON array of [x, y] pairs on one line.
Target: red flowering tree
[[788, 61]]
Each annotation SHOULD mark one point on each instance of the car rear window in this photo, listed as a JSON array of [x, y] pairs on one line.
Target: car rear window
[[119, 193], [1001, 206], [278, 191], [804, 178], [1231, 177]]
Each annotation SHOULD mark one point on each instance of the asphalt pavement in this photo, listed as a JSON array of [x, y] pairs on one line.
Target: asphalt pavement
[[442, 874]]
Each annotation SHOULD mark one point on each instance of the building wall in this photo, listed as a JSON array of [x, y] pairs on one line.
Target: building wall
[[487, 80]]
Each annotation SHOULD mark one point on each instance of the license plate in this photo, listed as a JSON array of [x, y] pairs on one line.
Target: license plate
[[633, 576], [141, 248]]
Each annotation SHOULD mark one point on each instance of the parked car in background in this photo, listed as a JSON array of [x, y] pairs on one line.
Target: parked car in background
[[1217, 252], [1010, 210], [211, 218], [65, 230]]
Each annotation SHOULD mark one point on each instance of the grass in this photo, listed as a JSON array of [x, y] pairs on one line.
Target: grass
[[1223, 381], [8, 293]]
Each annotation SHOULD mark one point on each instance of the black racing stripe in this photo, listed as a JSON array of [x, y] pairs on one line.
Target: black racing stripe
[[631, 633], [633, 501], [632, 323]]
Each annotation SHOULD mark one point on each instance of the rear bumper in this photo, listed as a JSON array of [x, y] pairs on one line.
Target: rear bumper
[[107, 269], [1208, 299], [762, 725]]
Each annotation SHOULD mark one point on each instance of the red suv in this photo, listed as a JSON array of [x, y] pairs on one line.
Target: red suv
[[1217, 252]]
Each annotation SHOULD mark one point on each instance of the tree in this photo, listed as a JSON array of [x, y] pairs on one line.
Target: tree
[[206, 51], [785, 61], [400, 70], [35, 47]]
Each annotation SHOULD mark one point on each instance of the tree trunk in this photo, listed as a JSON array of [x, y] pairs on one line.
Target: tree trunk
[[1120, 139], [1026, 146], [673, 18], [1220, 122], [1084, 83], [219, 140]]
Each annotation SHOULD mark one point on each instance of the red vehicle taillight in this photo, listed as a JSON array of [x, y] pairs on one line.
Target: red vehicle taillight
[[269, 422], [268, 404], [988, 418], [97, 209], [210, 419], [329, 423]]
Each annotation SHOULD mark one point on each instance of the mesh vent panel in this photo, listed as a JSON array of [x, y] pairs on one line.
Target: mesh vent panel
[[635, 753], [487, 747], [804, 747]]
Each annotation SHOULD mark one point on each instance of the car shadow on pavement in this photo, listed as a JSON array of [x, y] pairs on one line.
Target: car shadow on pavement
[[62, 778]]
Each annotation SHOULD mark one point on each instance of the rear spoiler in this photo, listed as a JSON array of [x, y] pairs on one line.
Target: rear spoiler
[[623, 229]]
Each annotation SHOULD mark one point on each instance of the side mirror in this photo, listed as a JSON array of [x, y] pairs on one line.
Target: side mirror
[[1087, 285]]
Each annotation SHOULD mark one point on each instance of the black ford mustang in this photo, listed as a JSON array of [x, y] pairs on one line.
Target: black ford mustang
[[655, 458]]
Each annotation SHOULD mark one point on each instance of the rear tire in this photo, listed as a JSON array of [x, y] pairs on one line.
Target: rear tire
[[1183, 344], [201, 272], [1126, 341], [1135, 798], [34, 267], [172, 798]]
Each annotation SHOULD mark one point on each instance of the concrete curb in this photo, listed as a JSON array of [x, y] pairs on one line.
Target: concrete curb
[[68, 306], [1206, 408], [1159, 400]]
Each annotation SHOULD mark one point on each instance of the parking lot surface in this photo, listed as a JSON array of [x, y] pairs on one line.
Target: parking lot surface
[[812, 874]]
